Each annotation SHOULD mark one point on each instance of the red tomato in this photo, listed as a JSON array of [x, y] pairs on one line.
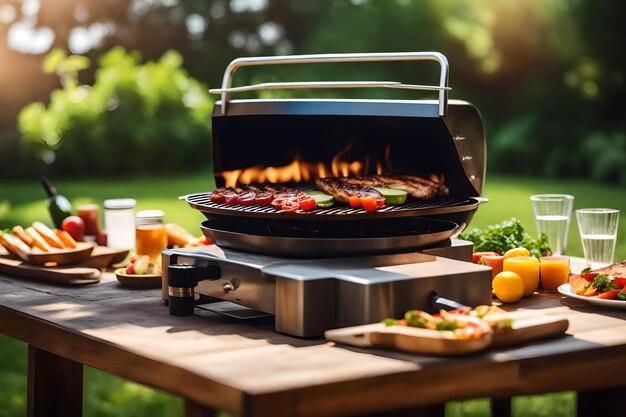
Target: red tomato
[[278, 202], [590, 276], [355, 202], [476, 256], [264, 198], [130, 269], [619, 281], [291, 205], [247, 198], [307, 204], [75, 226], [380, 202], [230, 198], [610, 295], [369, 203]]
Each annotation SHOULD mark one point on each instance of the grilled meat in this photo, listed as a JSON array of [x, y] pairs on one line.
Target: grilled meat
[[418, 188], [342, 190]]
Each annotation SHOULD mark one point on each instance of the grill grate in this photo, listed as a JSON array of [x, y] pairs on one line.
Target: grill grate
[[440, 205]]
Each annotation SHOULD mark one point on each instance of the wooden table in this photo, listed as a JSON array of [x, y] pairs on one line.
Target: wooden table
[[247, 369]]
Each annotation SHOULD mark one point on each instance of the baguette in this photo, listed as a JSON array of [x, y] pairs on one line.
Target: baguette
[[19, 232], [48, 235], [13, 244], [65, 237], [38, 241]]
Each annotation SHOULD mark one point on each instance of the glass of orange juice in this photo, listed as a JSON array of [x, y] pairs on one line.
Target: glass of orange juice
[[527, 267], [554, 272], [150, 234]]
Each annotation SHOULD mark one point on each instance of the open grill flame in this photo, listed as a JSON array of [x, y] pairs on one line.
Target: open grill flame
[[300, 170]]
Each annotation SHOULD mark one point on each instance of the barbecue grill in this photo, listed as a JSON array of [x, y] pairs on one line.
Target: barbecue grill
[[269, 261]]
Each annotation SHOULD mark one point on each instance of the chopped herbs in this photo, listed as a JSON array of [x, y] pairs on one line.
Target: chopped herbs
[[604, 283], [414, 319], [447, 325], [621, 295]]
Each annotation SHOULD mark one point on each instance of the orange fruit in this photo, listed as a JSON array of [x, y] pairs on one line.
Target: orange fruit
[[515, 252], [508, 287]]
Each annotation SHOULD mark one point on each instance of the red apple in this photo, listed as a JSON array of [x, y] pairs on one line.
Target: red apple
[[75, 226]]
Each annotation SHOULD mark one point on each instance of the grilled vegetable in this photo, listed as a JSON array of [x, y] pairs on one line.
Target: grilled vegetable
[[38, 241], [20, 233], [66, 238], [393, 196], [13, 244], [48, 235]]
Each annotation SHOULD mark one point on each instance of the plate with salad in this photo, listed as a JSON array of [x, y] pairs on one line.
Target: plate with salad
[[602, 287]]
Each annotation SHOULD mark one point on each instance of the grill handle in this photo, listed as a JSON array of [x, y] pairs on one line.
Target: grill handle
[[443, 88]]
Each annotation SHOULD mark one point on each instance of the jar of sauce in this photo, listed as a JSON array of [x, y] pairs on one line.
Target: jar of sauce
[[150, 234]]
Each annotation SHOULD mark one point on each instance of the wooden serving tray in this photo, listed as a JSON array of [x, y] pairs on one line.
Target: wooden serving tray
[[59, 275], [527, 326], [85, 272]]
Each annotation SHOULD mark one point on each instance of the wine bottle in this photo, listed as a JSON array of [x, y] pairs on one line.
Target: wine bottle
[[58, 206]]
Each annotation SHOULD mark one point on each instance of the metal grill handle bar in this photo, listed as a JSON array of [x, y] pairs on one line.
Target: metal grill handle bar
[[443, 88]]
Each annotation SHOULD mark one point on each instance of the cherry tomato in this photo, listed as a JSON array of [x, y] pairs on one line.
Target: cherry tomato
[[291, 205], [355, 202], [369, 203], [264, 198], [307, 204], [246, 199]]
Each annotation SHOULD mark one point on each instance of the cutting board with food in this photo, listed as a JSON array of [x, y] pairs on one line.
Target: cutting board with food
[[53, 255], [62, 275], [453, 333]]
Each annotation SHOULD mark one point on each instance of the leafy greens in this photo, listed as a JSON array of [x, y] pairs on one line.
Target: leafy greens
[[507, 235]]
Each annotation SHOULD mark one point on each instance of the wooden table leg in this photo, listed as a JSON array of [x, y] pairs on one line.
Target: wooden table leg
[[193, 409], [608, 402], [55, 385], [501, 407], [436, 410]]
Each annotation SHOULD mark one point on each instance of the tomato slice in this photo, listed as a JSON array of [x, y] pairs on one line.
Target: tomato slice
[[307, 204], [278, 202], [619, 281], [369, 203], [247, 198], [380, 202], [477, 256], [230, 198], [355, 202], [217, 197], [264, 198], [610, 295], [291, 205]]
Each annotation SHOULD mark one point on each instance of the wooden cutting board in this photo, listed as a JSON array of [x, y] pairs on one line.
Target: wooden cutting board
[[527, 326], [61, 275]]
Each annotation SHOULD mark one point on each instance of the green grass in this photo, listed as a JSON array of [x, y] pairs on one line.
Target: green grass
[[106, 395]]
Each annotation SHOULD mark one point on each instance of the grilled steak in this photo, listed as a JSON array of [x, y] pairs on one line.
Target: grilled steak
[[417, 187], [342, 189]]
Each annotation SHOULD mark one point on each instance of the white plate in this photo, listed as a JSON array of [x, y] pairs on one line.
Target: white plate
[[567, 290]]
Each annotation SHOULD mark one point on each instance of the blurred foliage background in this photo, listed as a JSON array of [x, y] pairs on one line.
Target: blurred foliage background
[[547, 76]]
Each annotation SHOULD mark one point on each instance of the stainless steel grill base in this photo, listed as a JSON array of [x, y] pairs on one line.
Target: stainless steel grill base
[[308, 297]]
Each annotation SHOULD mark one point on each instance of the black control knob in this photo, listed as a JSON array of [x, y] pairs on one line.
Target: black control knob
[[182, 279]]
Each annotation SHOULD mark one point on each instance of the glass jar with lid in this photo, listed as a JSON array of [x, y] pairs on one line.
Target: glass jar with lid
[[150, 234], [119, 221]]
